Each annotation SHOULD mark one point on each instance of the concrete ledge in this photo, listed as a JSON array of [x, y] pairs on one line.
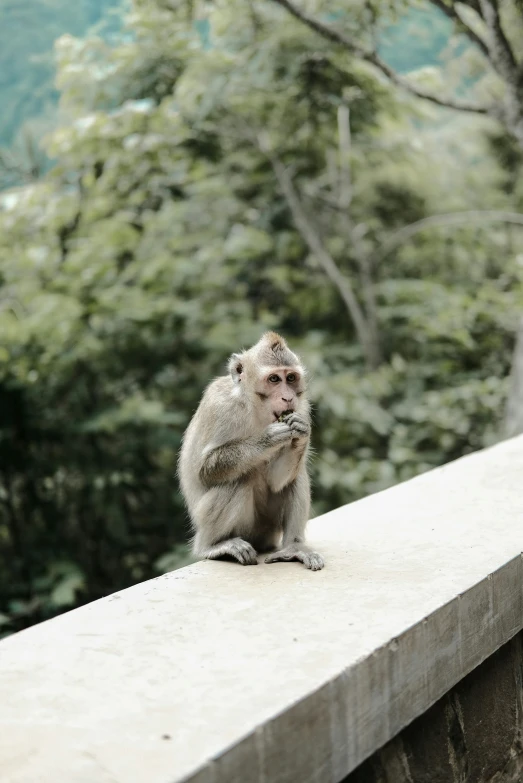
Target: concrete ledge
[[223, 674]]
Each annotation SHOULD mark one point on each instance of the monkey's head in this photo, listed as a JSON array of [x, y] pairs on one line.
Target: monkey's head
[[269, 375]]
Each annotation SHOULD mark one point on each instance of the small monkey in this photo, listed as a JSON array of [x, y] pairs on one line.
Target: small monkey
[[243, 462]]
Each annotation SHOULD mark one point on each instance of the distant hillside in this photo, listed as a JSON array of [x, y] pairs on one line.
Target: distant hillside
[[28, 30]]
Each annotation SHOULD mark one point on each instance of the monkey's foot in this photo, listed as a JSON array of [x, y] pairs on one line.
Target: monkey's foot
[[310, 559], [237, 548]]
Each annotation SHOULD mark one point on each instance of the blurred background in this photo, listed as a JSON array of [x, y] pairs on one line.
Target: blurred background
[[176, 177]]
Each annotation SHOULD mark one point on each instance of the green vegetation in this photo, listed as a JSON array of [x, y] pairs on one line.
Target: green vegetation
[[168, 234]]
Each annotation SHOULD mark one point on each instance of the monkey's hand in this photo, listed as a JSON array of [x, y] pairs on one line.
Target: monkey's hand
[[300, 427], [300, 552], [277, 434]]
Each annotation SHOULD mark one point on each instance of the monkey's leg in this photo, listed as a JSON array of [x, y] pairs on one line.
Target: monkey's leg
[[284, 468], [296, 513], [221, 517]]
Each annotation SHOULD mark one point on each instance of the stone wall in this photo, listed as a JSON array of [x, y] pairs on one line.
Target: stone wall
[[219, 673], [472, 735]]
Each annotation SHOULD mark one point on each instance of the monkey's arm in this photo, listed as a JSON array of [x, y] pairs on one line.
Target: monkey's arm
[[236, 458]]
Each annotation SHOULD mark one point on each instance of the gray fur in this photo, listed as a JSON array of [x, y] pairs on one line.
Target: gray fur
[[243, 475]]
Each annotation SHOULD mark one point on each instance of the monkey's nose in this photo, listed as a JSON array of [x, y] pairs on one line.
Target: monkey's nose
[[287, 400]]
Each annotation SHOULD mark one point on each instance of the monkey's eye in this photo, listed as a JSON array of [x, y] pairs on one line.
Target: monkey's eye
[[291, 377], [274, 379]]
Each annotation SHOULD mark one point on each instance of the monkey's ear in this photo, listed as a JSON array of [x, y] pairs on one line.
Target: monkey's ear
[[236, 367]]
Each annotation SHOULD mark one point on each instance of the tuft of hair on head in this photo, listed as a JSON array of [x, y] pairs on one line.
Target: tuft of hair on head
[[275, 340], [275, 350]]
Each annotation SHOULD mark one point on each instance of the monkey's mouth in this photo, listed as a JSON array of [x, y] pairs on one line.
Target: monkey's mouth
[[282, 416]]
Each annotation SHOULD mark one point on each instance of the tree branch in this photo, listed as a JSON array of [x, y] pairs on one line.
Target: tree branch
[[449, 219], [344, 152], [500, 50], [313, 241], [514, 409], [345, 192], [335, 36], [452, 13]]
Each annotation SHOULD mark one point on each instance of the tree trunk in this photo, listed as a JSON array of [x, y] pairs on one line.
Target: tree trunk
[[514, 411]]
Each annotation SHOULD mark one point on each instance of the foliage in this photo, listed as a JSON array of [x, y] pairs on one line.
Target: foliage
[[162, 240]]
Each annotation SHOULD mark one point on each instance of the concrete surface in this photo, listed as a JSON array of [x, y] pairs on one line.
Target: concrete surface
[[218, 673]]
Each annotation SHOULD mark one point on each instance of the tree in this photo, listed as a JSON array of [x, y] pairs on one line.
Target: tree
[[165, 237], [514, 413], [494, 30]]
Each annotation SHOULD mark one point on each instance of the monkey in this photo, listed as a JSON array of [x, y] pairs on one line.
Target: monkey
[[243, 461]]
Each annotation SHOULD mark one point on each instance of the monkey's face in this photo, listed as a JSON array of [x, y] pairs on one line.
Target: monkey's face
[[280, 389]]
